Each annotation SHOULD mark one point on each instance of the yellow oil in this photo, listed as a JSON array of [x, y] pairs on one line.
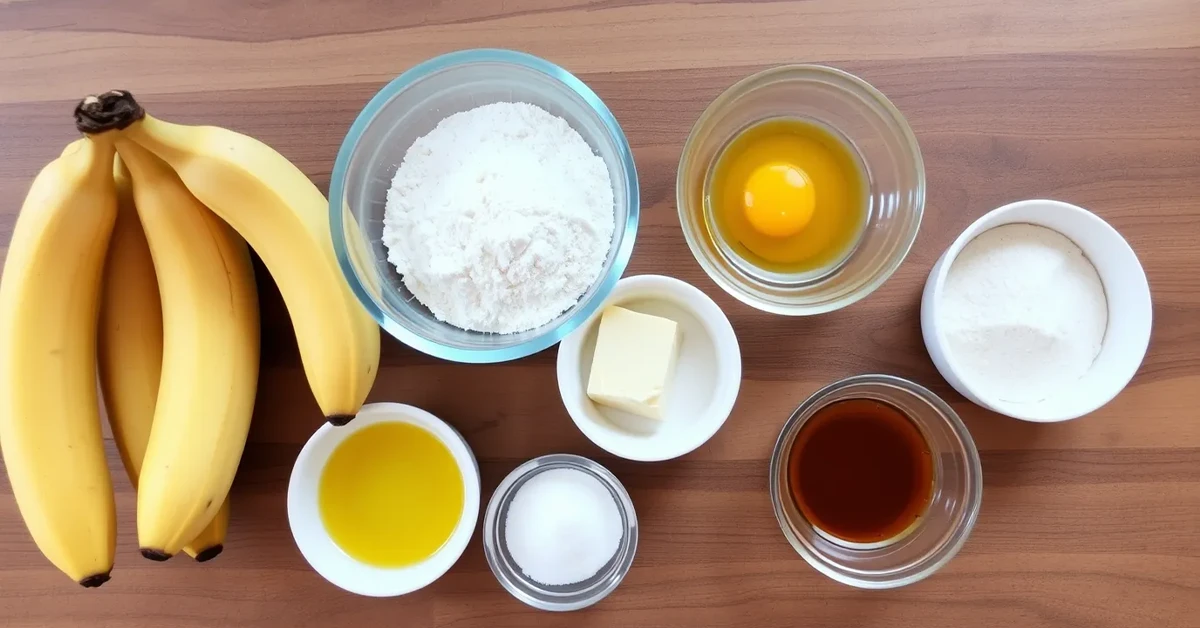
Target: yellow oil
[[391, 494], [789, 196]]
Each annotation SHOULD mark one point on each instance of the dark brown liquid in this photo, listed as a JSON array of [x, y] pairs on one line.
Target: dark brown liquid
[[861, 471]]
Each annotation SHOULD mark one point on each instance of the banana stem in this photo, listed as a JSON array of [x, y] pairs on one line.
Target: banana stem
[[112, 110]]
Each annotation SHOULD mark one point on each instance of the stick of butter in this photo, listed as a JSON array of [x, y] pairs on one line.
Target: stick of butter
[[634, 360]]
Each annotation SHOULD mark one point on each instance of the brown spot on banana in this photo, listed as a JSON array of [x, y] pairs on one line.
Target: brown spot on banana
[[154, 554], [339, 419], [209, 553], [96, 580]]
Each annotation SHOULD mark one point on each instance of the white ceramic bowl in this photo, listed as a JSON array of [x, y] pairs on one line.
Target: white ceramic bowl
[[1129, 310], [707, 377], [320, 550]]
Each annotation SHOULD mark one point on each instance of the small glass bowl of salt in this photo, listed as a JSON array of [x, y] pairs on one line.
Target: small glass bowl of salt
[[560, 532]]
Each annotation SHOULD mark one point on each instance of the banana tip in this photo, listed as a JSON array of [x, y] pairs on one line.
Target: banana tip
[[153, 554], [92, 582], [209, 553], [339, 419]]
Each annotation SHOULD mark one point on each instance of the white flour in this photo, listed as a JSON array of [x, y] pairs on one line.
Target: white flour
[[500, 218], [1023, 312]]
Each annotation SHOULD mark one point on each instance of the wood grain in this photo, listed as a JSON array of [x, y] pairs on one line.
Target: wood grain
[[1090, 523]]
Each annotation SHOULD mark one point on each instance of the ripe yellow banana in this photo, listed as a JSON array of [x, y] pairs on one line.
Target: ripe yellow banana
[[49, 412], [209, 358], [284, 218], [211, 540], [73, 147], [131, 349], [130, 335]]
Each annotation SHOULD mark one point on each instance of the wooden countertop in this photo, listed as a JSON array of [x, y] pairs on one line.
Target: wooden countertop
[[1093, 523]]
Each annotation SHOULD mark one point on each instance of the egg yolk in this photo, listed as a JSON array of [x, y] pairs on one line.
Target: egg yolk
[[779, 199]]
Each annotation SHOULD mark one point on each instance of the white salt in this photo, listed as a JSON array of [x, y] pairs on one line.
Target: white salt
[[563, 526]]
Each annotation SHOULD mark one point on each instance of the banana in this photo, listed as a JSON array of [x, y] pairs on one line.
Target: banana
[[130, 349], [212, 539], [209, 358], [50, 429], [284, 218], [73, 147], [130, 332]]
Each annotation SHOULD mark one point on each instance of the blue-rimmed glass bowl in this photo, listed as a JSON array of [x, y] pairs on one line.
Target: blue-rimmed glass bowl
[[410, 106]]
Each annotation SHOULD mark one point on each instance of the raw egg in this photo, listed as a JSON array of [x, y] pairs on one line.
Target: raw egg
[[789, 196]]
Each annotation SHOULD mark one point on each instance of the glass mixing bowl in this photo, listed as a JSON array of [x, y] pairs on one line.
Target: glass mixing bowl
[[885, 147], [941, 530], [410, 106]]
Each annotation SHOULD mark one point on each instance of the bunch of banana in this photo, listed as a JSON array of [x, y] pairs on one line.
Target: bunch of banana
[[284, 218], [169, 322], [210, 345], [131, 329]]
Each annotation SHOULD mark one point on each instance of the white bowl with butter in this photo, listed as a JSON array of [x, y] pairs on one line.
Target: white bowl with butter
[[691, 398]]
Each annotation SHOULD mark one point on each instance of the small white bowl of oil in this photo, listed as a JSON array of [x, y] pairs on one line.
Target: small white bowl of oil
[[385, 505]]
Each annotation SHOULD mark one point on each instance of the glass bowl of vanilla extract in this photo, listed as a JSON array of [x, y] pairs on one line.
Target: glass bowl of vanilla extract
[[876, 481]]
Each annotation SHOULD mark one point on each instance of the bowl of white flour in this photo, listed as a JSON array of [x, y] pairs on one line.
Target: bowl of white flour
[[1040, 311], [483, 205]]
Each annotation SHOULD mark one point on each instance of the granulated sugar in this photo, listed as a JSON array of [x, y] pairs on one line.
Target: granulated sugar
[[562, 527], [1024, 312], [500, 218]]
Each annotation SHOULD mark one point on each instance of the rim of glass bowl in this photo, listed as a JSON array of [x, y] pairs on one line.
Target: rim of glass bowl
[[337, 192], [974, 489], [732, 287]]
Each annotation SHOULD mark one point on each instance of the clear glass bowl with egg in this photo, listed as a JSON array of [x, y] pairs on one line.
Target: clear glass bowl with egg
[[938, 533], [412, 105], [889, 165], [561, 597]]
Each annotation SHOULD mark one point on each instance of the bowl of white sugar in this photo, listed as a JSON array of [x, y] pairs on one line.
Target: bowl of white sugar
[[560, 532], [1040, 311], [483, 205]]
